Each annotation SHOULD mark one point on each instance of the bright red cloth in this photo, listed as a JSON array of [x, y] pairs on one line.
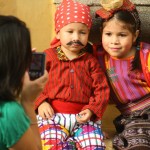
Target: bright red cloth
[[66, 107], [70, 11], [78, 81]]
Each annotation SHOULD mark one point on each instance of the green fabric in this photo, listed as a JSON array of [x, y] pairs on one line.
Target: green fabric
[[13, 123]]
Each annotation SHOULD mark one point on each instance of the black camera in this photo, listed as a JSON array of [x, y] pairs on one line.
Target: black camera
[[37, 66]]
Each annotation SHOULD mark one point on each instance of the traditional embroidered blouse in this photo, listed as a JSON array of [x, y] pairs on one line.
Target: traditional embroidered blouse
[[74, 85], [131, 91]]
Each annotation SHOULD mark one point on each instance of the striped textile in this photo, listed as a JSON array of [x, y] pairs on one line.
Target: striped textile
[[130, 87], [77, 81], [130, 90]]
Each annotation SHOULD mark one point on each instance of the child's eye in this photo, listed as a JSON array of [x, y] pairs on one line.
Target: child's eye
[[122, 35], [108, 34], [82, 32], [70, 31]]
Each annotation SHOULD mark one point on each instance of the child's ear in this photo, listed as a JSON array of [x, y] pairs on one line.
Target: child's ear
[[136, 35], [58, 35]]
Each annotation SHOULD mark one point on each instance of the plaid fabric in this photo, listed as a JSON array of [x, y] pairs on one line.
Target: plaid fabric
[[62, 132], [104, 14]]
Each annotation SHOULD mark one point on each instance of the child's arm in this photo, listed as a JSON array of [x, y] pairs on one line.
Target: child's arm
[[100, 90], [44, 94], [41, 98]]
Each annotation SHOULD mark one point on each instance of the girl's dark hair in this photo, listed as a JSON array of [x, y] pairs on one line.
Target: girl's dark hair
[[133, 23], [15, 56]]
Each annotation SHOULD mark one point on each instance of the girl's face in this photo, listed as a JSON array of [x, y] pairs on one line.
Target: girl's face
[[117, 39], [73, 38]]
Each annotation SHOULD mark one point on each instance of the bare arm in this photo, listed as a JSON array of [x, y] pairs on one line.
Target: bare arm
[[31, 138], [26, 142]]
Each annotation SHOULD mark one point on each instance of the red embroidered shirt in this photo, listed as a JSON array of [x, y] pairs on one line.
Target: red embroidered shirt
[[75, 85]]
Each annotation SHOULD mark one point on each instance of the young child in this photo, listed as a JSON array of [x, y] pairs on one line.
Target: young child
[[71, 106], [127, 64], [18, 124]]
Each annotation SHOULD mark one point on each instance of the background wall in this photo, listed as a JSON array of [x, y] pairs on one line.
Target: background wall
[[38, 15]]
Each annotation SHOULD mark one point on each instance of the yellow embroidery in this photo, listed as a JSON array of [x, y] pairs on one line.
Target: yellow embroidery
[[61, 55]]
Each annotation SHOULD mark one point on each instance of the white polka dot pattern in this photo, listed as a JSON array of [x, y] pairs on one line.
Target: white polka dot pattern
[[69, 12]]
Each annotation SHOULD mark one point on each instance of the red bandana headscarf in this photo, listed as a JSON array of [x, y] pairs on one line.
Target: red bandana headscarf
[[69, 12]]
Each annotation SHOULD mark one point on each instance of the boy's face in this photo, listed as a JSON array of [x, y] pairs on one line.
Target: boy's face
[[117, 39], [73, 38]]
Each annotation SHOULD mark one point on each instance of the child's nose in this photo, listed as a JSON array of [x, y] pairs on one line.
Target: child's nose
[[76, 36], [114, 40]]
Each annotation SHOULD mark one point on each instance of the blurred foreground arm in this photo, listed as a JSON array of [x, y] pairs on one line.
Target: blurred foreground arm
[[31, 89]]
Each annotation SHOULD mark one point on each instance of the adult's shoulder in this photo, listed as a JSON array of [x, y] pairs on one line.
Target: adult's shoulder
[[13, 121], [11, 109], [10, 105]]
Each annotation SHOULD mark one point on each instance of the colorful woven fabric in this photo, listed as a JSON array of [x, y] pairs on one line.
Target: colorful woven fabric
[[61, 55], [130, 88], [63, 132], [134, 131]]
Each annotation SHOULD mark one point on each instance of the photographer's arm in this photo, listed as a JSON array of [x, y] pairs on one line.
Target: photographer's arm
[[31, 89]]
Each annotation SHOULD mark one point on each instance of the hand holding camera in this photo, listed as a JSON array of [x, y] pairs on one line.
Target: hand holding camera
[[37, 66]]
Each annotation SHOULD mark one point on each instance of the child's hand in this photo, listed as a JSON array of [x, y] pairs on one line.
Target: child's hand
[[84, 116], [45, 110]]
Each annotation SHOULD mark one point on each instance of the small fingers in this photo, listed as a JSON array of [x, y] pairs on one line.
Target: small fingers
[[46, 114], [81, 118]]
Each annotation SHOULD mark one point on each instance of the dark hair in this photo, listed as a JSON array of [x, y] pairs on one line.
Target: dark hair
[[15, 56], [132, 20]]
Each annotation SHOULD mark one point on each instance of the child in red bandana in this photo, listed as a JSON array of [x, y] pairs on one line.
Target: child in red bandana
[[71, 106], [127, 63]]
